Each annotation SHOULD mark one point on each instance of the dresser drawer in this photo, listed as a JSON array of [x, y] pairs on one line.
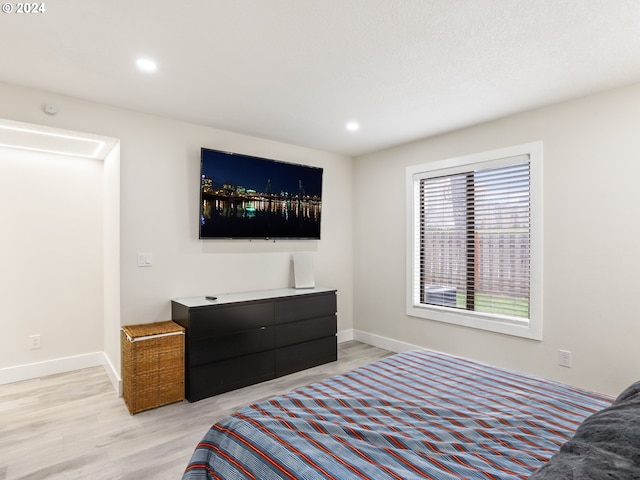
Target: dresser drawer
[[221, 347], [214, 378], [222, 320], [305, 330], [305, 307], [306, 355]]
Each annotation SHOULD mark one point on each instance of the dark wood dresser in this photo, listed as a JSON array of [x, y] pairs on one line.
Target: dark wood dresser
[[246, 338]]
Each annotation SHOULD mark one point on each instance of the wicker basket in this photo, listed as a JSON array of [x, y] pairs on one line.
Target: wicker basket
[[152, 365]]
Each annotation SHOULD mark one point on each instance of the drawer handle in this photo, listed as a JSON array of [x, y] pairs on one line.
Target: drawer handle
[[263, 328]]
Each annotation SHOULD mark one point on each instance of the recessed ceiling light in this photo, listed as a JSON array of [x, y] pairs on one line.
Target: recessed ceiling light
[[146, 65], [353, 126]]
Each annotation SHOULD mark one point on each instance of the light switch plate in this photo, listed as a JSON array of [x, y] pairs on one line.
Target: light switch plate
[[145, 259]]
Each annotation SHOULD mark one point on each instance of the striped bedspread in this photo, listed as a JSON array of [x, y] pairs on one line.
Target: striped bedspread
[[413, 415]]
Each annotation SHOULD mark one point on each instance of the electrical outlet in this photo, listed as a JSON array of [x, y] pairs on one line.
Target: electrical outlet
[[564, 358], [34, 342]]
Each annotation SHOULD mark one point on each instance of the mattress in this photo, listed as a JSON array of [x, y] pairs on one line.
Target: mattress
[[413, 415]]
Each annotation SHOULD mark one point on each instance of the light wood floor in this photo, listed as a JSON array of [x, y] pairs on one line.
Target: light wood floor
[[73, 426]]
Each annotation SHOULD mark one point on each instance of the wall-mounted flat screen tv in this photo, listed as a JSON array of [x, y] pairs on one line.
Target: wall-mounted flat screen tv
[[248, 197]]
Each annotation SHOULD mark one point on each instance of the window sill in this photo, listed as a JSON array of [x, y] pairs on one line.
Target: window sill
[[481, 321]]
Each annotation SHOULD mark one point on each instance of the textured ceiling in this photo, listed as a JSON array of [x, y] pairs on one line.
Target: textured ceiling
[[298, 70]]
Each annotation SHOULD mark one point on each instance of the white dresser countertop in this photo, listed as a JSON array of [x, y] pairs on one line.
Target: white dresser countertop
[[224, 298]]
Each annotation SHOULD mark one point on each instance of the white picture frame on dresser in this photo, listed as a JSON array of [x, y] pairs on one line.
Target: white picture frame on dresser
[[303, 270]]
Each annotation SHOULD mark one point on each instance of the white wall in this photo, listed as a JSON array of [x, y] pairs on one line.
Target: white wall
[[51, 251], [591, 200], [111, 262], [159, 182]]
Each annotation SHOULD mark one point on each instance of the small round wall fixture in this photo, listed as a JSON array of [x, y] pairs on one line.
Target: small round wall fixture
[[50, 109]]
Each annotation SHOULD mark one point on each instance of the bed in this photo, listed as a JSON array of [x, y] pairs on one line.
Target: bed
[[413, 415]]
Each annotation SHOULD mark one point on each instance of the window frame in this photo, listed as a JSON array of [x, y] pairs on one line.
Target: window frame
[[531, 328]]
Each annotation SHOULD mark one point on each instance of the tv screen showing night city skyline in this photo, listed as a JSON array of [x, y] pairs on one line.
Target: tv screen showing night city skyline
[[248, 197]]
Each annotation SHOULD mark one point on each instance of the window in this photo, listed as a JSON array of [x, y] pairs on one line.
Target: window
[[475, 240]]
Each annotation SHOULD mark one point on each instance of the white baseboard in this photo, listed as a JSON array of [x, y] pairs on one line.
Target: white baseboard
[[113, 374], [375, 340], [61, 365], [383, 342], [345, 335]]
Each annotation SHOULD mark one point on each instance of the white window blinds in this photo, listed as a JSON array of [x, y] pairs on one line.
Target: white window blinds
[[474, 240]]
